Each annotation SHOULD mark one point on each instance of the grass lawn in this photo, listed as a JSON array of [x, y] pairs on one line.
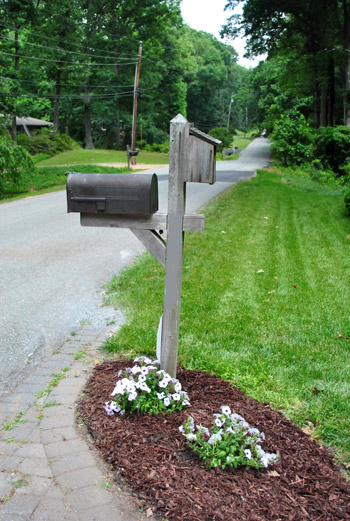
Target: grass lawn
[[82, 156], [265, 301], [51, 179]]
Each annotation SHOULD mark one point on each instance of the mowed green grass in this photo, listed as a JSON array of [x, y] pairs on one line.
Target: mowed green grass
[[265, 301], [83, 156]]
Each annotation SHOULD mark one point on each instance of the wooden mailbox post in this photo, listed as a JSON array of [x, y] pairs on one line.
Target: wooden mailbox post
[[192, 159]]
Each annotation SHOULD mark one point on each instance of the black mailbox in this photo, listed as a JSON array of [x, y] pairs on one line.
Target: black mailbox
[[134, 194]]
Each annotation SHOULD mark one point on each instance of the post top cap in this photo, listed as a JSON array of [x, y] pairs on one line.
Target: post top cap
[[179, 119]]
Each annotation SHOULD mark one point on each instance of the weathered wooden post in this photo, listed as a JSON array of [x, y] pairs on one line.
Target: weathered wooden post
[[192, 159], [179, 134]]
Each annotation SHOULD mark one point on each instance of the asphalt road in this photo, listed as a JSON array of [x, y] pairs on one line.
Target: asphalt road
[[52, 270]]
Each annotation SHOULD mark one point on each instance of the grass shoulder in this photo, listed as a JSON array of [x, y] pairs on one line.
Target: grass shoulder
[[83, 156], [265, 299]]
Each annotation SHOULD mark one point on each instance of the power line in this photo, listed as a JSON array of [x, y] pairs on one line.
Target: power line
[[120, 57], [36, 35], [66, 96], [71, 85], [66, 62]]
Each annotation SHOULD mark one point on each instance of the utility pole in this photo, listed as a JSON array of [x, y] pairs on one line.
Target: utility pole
[[229, 114], [136, 89]]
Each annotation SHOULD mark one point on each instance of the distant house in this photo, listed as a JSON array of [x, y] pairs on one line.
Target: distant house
[[27, 125]]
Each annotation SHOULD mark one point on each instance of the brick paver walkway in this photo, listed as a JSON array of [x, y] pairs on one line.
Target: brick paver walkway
[[49, 471]]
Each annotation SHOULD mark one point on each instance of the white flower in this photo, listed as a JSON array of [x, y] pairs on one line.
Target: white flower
[[231, 430], [253, 431], [264, 460], [185, 402], [160, 396], [200, 428], [191, 436], [248, 454], [132, 397], [163, 383], [178, 387], [182, 429], [166, 402], [144, 370], [176, 397], [236, 417], [136, 369], [144, 387], [218, 422], [225, 410], [214, 437], [191, 423], [142, 378], [244, 424]]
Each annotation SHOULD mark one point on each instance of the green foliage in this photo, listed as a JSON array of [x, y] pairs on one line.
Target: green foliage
[[292, 140], [223, 135], [44, 142], [15, 165], [333, 146], [162, 147], [347, 200], [232, 442], [146, 389]]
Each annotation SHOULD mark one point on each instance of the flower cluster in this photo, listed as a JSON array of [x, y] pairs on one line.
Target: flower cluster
[[146, 388], [232, 442]]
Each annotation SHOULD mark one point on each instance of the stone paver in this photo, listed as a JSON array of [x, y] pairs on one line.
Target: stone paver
[[48, 472]]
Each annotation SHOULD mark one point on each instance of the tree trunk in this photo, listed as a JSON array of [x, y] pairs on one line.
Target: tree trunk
[[13, 127], [323, 108], [331, 92], [57, 100], [89, 144]]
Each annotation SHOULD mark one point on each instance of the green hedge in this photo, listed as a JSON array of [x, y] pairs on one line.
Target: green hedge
[[45, 142]]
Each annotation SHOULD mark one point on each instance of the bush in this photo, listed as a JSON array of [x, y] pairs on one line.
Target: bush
[[333, 147], [292, 140], [16, 165], [347, 200], [44, 142], [223, 135], [158, 147]]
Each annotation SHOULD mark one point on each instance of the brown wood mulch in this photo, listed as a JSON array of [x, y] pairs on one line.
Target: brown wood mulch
[[151, 455]]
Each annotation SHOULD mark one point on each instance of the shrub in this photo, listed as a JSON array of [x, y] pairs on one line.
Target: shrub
[[44, 142], [347, 200], [292, 140], [333, 147], [15, 166], [223, 135]]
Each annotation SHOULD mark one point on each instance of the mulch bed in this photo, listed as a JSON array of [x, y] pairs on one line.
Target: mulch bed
[[152, 456]]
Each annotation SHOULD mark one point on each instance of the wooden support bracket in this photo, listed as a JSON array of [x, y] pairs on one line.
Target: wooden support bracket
[[153, 242]]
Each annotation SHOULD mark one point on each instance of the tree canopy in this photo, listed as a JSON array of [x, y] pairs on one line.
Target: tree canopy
[[73, 63]]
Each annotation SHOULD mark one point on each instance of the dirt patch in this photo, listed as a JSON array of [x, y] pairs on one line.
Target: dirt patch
[[153, 458]]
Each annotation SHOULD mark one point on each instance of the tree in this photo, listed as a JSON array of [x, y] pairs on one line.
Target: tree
[[321, 31]]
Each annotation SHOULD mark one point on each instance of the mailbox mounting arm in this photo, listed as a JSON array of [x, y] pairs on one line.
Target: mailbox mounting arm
[[157, 221]]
